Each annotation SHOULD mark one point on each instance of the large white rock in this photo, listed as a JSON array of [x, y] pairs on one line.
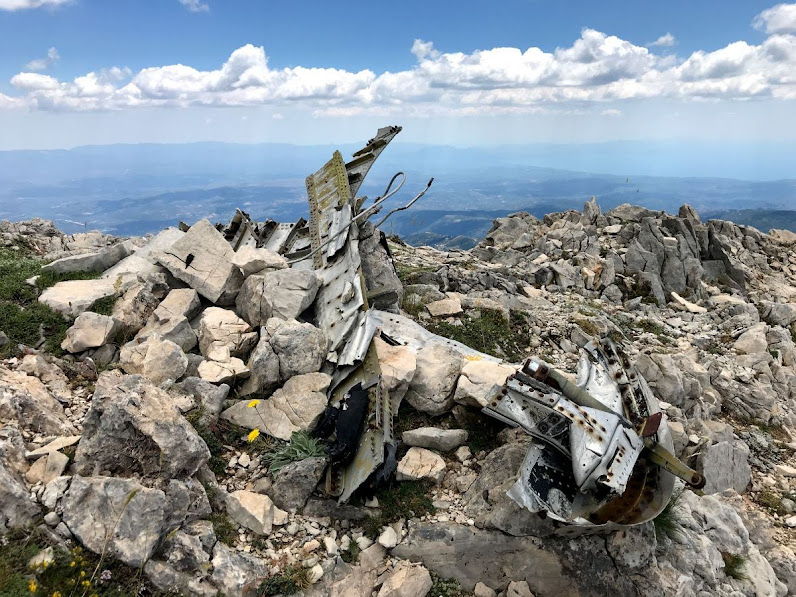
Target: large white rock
[[431, 389], [143, 262], [252, 260], [229, 371], [297, 406], [477, 380], [290, 291], [90, 330], [398, 365], [170, 318], [202, 258], [223, 329], [156, 359], [97, 261], [407, 580], [419, 463], [301, 347], [753, 340], [255, 511], [445, 307], [72, 297], [433, 438]]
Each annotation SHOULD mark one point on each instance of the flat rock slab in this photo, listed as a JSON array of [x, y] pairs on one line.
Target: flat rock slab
[[725, 465], [202, 258], [90, 330], [433, 438], [447, 307], [471, 555], [91, 262], [419, 463], [253, 510], [73, 297]]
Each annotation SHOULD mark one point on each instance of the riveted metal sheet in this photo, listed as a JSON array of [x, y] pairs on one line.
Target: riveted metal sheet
[[358, 168]]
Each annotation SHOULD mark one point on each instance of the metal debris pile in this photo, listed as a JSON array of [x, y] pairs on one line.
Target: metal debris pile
[[601, 454]]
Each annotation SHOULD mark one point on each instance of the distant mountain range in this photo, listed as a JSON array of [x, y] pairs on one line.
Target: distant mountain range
[[135, 189]]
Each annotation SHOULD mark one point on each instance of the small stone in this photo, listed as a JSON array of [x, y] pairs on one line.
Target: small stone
[[785, 470], [363, 543], [419, 463], [790, 521], [315, 574], [481, 590], [463, 454], [52, 519], [310, 546], [331, 546], [433, 438], [388, 538], [244, 460]]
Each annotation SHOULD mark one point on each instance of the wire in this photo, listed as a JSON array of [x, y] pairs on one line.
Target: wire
[[368, 212]]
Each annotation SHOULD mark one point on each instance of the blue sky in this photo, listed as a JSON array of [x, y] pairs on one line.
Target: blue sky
[[76, 72]]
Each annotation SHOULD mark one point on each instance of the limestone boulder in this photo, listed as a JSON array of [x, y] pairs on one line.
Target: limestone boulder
[[398, 365], [16, 509], [254, 511], [290, 291], [477, 380], [295, 483], [447, 307], [263, 365], [203, 259], [753, 340], [136, 305], [25, 400], [407, 580], [143, 262], [90, 330], [221, 330], [297, 406], [432, 387], [252, 260], [117, 517], [418, 464], [156, 359], [225, 372], [725, 465], [133, 427], [73, 297], [97, 261], [208, 396], [433, 438], [236, 574], [783, 314], [300, 347], [253, 302]]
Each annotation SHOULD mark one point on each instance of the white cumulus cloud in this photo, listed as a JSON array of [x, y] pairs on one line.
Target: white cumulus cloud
[[595, 68], [195, 5], [44, 63], [777, 19], [664, 41], [12, 5]]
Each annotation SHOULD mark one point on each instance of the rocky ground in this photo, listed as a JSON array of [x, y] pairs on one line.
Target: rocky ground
[[135, 370]]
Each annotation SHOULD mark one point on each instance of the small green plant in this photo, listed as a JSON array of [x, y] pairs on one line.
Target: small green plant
[[293, 579], [491, 333], [351, 555], [649, 326], [301, 446], [226, 530], [404, 499], [446, 587], [769, 499], [734, 565], [103, 306], [669, 522]]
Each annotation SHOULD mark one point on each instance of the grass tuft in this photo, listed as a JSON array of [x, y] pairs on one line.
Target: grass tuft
[[769, 499], [734, 565], [293, 579], [351, 555], [669, 523], [446, 587], [405, 499], [491, 333], [226, 531], [301, 446]]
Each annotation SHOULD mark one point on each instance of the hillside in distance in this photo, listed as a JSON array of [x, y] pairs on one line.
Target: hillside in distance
[[136, 189]]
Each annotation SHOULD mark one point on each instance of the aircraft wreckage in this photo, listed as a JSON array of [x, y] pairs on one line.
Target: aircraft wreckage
[[601, 452]]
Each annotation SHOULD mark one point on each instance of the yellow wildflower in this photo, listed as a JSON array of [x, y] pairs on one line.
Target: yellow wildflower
[[86, 583], [253, 403], [253, 434], [72, 564], [82, 573], [56, 594], [32, 586]]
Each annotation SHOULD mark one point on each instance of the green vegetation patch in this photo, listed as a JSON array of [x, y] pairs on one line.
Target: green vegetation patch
[[404, 499], [226, 531], [734, 565], [300, 446], [68, 573], [293, 579], [669, 523], [491, 333], [23, 319], [771, 500], [446, 587]]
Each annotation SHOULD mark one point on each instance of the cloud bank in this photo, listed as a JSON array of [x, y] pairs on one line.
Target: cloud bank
[[195, 5], [12, 5], [596, 68]]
